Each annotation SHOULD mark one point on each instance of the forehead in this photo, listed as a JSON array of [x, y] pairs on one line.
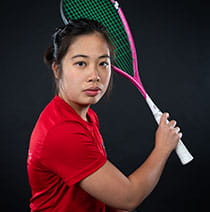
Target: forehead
[[93, 43]]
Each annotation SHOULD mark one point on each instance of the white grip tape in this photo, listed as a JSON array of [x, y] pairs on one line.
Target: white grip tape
[[183, 153], [181, 150]]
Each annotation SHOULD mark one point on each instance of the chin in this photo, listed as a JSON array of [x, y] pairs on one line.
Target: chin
[[94, 100]]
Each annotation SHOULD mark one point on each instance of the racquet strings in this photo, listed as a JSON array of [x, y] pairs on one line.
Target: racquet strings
[[105, 12]]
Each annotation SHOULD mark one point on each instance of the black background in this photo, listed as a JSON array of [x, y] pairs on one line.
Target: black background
[[173, 44]]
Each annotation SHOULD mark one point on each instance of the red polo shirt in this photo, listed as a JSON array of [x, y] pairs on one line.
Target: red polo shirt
[[64, 149]]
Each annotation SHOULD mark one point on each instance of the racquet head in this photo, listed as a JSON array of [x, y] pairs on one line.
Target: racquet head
[[111, 16]]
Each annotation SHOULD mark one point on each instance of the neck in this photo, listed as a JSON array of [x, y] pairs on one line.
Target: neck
[[81, 110]]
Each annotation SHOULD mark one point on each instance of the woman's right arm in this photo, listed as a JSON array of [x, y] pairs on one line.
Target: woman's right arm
[[113, 188]]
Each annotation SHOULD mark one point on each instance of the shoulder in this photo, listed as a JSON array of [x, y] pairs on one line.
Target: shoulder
[[56, 113], [56, 120], [68, 128]]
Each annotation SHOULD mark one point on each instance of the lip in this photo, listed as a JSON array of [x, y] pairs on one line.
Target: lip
[[93, 91]]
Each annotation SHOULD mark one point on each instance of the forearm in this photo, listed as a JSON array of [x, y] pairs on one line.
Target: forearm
[[112, 187], [145, 178]]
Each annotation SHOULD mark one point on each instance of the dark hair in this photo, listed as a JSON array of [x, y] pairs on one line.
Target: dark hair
[[65, 35]]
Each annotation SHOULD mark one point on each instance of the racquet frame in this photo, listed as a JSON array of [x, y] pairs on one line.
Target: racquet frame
[[181, 150]]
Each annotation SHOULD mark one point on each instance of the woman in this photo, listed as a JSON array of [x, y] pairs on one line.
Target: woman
[[67, 164]]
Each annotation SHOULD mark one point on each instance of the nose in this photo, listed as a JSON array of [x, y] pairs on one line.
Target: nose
[[94, 75]]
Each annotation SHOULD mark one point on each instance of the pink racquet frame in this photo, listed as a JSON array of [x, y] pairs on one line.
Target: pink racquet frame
[[182, 152]]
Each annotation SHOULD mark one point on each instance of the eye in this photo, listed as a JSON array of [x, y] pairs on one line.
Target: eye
[[80, 63], [104, 64]]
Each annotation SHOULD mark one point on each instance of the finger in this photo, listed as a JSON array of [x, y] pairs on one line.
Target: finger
[[163, 119], [177, 129], [172, 123], [180, 135]]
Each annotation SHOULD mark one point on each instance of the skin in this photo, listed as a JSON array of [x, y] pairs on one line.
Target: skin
[[87, 66], [86, 71]]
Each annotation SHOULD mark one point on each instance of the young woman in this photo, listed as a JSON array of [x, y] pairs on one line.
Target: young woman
[[67, 164]]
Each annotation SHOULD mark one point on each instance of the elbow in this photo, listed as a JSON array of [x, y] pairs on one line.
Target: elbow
[[131, 206], [128, 208], [133, 201], [125, 204]]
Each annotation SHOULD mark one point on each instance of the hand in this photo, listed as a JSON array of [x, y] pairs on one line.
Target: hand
[[167, 134]]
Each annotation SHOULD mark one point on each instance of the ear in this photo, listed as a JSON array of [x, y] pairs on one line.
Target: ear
[[56, 70]]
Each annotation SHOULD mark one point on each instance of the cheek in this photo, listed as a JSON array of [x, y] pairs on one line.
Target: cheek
[[106, 78], [70, 78]]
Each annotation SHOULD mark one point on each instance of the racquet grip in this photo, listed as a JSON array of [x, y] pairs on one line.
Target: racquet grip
[[183, 153], [181, 150]]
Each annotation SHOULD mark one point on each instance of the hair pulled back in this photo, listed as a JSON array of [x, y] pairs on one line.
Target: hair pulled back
[[64, 36]]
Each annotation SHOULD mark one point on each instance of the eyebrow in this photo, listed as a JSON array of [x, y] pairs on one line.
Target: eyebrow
[[105, 56], [85, 56]]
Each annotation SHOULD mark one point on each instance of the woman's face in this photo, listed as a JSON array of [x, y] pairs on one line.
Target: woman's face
[[86, 70]]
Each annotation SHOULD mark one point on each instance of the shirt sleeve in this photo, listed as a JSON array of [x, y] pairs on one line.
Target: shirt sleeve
[[72, 153]]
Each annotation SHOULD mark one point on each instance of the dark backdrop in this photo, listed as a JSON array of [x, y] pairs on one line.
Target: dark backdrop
[[173, 45]]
